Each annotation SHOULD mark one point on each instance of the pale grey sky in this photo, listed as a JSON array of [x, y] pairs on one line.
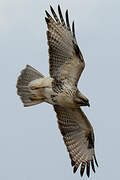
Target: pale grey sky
[[31, 146]]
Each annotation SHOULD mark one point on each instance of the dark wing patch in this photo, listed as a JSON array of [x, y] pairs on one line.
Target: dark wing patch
[[90, 141], [78, 52], [78, 137]]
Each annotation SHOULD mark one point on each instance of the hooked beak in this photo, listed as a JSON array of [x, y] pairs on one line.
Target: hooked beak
[[85, 103], [82, 102], [88, 104], [81, 99]]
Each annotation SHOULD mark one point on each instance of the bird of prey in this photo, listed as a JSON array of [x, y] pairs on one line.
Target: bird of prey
[[66, 64]]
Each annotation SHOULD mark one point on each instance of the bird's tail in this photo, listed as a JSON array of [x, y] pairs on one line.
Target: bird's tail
[[28, 75]]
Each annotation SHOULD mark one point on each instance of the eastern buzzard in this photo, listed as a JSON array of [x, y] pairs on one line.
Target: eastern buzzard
[[60, 89]]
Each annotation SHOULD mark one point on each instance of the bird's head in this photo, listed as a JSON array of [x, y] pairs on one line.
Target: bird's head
[[81, 99]]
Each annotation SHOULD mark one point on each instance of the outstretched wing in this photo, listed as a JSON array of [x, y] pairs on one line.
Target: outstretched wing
[[65, 58], [79, 138]]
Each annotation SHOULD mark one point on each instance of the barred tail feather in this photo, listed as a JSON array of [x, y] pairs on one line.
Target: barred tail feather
[[23, 90]]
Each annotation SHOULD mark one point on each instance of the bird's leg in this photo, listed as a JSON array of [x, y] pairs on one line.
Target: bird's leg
[[37, 98]]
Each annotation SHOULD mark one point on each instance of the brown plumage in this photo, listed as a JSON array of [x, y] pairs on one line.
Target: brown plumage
[[78, 136], [66, 65], [65, 58]]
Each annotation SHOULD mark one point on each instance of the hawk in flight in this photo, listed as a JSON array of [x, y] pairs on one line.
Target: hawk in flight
[[66, 64]]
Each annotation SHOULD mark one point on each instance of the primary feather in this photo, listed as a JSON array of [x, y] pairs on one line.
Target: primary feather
[[78, 136], [65, 58]]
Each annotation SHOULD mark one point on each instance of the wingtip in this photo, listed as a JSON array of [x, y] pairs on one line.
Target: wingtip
[[67, 20], [75, 169], [72, 163], [95, 160], [66, 10], [60, 15], [47, 20], [82, 169], [54, 14], [88, 169], [67, 13], [51, 8], [47, 14], [92, 165], [58, 6]]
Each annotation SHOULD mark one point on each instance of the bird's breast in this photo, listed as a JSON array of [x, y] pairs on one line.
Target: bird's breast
[[66, 98]]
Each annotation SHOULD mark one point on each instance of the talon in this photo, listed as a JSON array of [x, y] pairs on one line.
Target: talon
[[36, 98], [34, 87]]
